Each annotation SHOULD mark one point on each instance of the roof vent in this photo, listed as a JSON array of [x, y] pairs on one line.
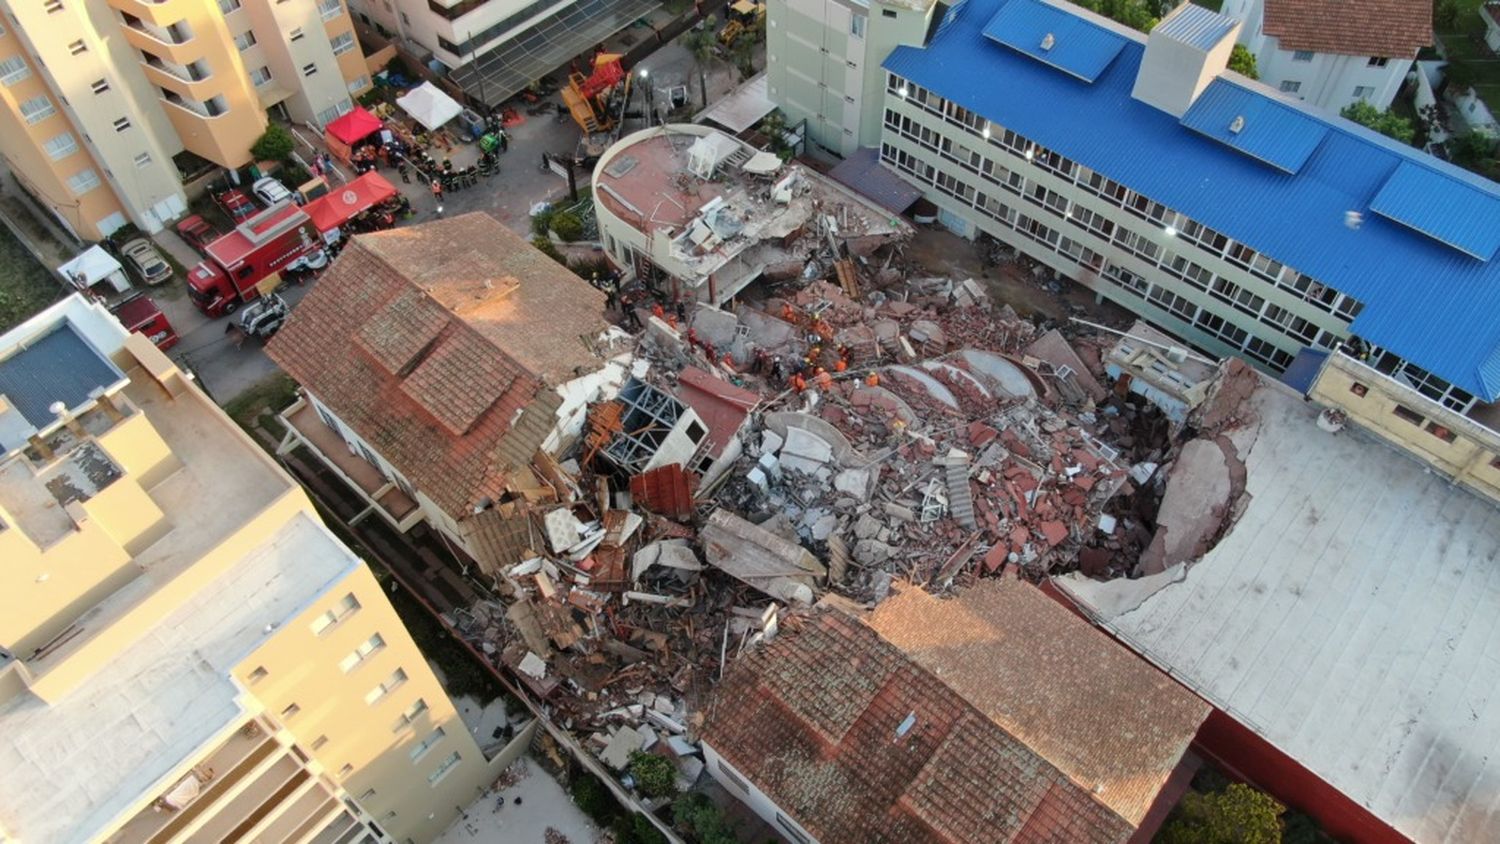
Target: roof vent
[[1237, 125], [1047, 41], [1353, 219]]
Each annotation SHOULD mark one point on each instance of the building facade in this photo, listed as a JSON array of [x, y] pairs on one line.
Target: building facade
[[186, 652], [1332, 55], [100, 101]]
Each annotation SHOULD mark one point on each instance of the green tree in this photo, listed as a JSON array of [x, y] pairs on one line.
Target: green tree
[[1445, 14], [1387, 123], [1473, 151], [703, 820], [1242, 61], [1239, 814], [1136, 14], [567, 225], [548, 248], [274, 145], [654, 775], [1459, 75], [703, 42]]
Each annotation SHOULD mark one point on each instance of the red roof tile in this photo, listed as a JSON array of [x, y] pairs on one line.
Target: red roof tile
[[1385, 28], [429, 340], [813, 719], [721, 405]]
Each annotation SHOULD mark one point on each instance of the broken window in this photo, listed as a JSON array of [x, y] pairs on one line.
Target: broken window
[[1408, 414]]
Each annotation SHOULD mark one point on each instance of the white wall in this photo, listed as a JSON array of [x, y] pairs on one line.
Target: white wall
[[751, 796]]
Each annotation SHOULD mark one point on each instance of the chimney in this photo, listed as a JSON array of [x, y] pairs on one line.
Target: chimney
[[107, 404], [1184, 53]]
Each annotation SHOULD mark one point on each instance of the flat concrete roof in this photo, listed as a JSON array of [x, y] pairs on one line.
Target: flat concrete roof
[[68, 770], [1351, 617]]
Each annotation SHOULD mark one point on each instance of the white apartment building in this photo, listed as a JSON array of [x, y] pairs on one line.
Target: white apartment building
[[1331, 54]]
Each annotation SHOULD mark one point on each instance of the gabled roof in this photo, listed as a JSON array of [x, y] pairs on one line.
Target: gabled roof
[[429, 340], [1388, 28], [1107, 720], [815, 720], [1424, 300], [862, 741]]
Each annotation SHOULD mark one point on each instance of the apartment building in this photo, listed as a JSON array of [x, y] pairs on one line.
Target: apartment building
[[100, 100], [1331, 54], [186, 652]]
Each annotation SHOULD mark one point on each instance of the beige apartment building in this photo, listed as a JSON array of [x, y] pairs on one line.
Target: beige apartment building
[[186, 652], [97, 99]]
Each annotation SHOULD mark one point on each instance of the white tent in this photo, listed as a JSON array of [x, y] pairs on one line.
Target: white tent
[[92, 266], [429, 105]]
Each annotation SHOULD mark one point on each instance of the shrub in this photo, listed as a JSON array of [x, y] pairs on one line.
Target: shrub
[[541, 222], [1239, 814], [655, 776], [635, 829], [274, 145], [703, 820], [567, 225], [1387, 123], [593, 797], [1242, 61], [548, 248]]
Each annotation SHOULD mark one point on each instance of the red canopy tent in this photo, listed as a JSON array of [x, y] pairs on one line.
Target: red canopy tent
[[343, 203], [342, 134]]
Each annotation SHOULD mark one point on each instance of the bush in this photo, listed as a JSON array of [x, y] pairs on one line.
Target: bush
[[1387, 123], [274, 145], [636, 829], [703, 820], [593, 797], [567, 225], [541, 222], [590, 268], [655, 776], [1239, 814], [548, 248], [1242, 61]]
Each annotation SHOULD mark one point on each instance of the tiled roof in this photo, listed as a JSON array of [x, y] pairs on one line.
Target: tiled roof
[[428, 340], [1390, 28], [722, 406], [812, 720], [1110, 722]]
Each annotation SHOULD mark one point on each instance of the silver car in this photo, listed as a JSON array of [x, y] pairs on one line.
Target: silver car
[[145, 261], [270, 191]]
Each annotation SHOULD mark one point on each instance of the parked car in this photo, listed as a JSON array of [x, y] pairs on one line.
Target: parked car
[[145, 261], [235, 204], [315, 260], [270, 191], [196, 231], [262, 318]]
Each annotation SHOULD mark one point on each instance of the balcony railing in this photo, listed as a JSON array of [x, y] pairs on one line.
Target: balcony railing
[[177, 33], [194, 72]]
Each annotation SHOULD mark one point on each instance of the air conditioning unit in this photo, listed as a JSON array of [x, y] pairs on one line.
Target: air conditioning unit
[[1177, 354]]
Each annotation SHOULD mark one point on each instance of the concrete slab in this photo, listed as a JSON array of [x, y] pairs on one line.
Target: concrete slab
[[496, 816]]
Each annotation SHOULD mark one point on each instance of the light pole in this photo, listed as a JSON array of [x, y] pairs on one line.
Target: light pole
[[650, 97], [478, 74]]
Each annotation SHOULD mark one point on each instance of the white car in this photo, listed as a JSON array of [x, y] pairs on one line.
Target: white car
[[146, 261], [270, 191], [315, 260]]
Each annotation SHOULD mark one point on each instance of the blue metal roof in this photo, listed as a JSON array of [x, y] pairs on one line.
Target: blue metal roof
[[1256, 125], [1196, 26], [1428, 302], [59, 366], [1077, 46], [1462, 215]]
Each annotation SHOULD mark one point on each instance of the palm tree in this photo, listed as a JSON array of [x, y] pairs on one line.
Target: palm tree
[[703, 43]]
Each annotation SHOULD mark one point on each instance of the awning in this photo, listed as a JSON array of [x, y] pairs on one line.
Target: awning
[[336, 207], [741, 108], [353, 127], [502, 72], [92, 266], [429, 106], [863, 173]]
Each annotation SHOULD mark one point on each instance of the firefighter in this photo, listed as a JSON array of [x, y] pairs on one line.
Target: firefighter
[[401, 170]]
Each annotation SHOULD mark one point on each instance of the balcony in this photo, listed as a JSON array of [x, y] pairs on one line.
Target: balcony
[[210, 108], [190, 81], [383, 496], [172, 41]]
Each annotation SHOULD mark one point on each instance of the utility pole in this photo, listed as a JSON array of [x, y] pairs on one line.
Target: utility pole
[[478, 74]]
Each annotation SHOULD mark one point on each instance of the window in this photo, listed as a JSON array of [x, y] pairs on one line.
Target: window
[[426, 744], [411, 714], [295, 35], [368, 795], [53, 6], [345, 771], [346, 606], [309, 69], [359, 84], [1378, 61], [99, 86], [887, 13], [792, 831], [734, 777], [227, 6], [1359, 389], [1364, 92], [1441, 432], [386, 686], [122, 124], [1290, 87], [357, 657], [290, 710], [342, 43], [37, 108], [1408, 414], [857, 25], [319, 742], [329, 9], [258, 674], [244, 41], [61, 146], [77, 47], [388, 816], [13, 70], [1302, 56], [443, 768], [260, 76], [84, 182]]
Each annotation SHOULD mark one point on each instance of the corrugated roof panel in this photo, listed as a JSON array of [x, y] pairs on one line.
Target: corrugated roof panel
[[1424, 300], [1255, 124], [1054, 37], [1196, 26], [1461, 215]]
